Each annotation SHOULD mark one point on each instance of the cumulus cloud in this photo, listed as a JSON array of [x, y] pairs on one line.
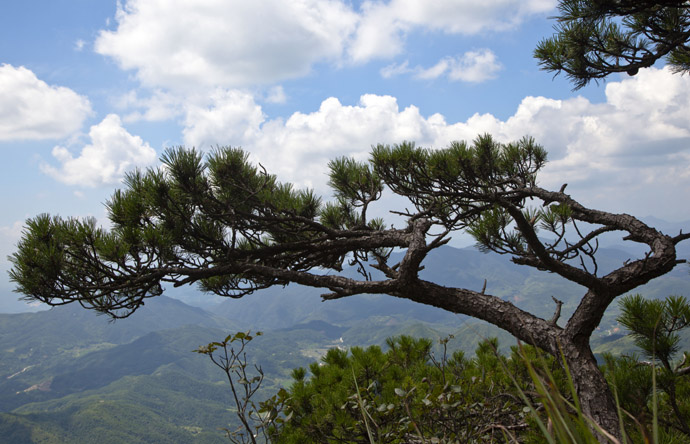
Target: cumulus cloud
[[112, 152], [300, 147], [383, 26], [184, 45], [232, 118], [30, 109], [181, 44], [631, 152], [474, 66]]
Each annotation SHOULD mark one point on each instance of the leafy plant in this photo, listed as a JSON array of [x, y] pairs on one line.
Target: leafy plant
[[405, 394], [255, 420]]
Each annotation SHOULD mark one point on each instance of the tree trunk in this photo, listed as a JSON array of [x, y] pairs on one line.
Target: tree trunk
[[596, 399]]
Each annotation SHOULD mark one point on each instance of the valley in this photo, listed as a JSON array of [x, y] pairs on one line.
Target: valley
[[69, 375]]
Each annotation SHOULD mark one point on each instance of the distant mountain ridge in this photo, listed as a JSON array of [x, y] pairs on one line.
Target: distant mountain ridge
[[527, 287], [68, 375]]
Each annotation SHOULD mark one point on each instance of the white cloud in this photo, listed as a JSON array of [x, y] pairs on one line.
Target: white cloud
[[276, 95], [383, 26], [299, 148], [380, 33], [396, 69], [631, 153], [158, 106], [435, 71], [473, 66], [181, 44], [304, 142], [112, 152], [30, 109], [232, 118], [465, 16]]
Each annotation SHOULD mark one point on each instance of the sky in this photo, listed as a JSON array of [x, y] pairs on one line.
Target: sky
[[91, 89]]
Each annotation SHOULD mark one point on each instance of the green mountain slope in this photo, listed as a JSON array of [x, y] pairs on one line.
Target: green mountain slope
[[69, 376], [70, 331], [153, 389]]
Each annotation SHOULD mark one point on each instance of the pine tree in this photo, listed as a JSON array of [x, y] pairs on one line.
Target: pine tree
[[231, 228], [598, 37]]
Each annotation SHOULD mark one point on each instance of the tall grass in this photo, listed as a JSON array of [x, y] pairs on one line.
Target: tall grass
[[563, 421]]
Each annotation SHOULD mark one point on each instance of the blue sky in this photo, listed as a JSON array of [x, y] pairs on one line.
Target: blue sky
[[92, 89]]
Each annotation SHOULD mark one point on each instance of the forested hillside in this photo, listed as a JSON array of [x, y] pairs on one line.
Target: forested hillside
[[68, 375]]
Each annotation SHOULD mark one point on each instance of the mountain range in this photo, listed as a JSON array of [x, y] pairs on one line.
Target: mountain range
[[68, 375]]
